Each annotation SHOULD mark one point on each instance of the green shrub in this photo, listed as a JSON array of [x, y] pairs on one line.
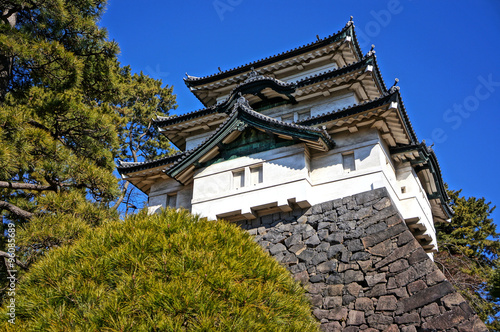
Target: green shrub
[[165, 272]]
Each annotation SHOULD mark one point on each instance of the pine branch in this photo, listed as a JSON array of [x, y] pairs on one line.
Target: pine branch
[[16, 261], [15, 210], [26, 186]]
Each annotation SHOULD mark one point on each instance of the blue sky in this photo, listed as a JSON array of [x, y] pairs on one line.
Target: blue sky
[[445, 54]]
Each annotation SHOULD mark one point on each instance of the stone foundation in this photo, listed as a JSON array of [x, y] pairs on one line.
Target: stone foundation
[[362, 268]]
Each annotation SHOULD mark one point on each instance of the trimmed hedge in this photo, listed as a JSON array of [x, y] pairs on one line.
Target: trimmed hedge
[[170, 271]]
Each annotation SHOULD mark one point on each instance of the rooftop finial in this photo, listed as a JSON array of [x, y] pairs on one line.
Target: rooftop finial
[[350, 22], [253, 73], [394, 87], [371, 51], [317, 37], [220, 70]]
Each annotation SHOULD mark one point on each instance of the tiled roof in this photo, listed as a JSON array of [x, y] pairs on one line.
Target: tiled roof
[[242, 106], [131, 167], [392, 95], [370, 59]]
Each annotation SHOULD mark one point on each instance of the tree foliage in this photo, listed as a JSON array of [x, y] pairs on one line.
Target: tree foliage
[[68, 110], [469, 249], [165, 272]]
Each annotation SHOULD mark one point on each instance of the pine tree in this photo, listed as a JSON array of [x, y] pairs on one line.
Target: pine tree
[[469, 249], [66, 107]]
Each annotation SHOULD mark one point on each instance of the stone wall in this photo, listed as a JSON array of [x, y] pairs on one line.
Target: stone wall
[[362, 268]]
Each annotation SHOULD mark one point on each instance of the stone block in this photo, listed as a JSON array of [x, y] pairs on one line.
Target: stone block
[[335, 238], [335, 290], [372, 280], [290, 259], [335, 279], [366, 266], [399, 253], [417, 256], [323, 234], [332, 302], [356, 317], [392, 328], [398, 266], [382, 249], [297, 268], [293, 240], [377, 290], [323, 246], [316, 278], [297, 249], [379, 321], [347, 299], [326, 206], [410, 328], [316, 288], [430, 310], [338, 314], [416, 286], [446, 321], [451, 300], [363, 304], [387, 303], [335, 250], [302, 277], [405, 237], [273, 250], [376, 228], [382, 204], [354, 245], [352, 275], [412, 318], [360, 256], [371, 196], [331, 327], [327, 267], [307, 256], [424, 297], [363, 213], [316, 300], [313, 240], [435, 277], [353, 288], [348, 266], [373, 239], [318, 258], [399, 292], [320, 313]]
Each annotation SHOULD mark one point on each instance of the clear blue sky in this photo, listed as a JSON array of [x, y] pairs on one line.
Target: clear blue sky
[[445, 54]]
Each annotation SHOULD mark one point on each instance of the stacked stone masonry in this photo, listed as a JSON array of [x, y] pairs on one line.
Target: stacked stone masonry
[[362, 268]]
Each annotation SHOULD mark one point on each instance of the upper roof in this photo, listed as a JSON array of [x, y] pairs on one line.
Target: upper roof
[[296, 57], [176, 127]]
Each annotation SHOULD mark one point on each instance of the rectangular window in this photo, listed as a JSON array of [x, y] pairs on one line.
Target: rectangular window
[[238, 179], [172, 200], [256, 175], [348, 162]]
